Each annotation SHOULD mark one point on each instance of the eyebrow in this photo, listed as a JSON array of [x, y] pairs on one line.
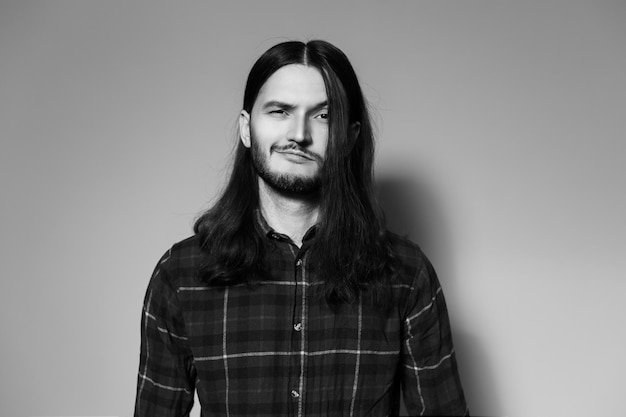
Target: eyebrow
[[288, 106]]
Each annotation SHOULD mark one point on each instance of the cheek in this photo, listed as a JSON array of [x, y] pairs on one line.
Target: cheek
[[265, 127], [320, 139], [260, 140]]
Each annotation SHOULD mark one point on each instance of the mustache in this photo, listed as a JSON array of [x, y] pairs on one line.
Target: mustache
[[298, 149]]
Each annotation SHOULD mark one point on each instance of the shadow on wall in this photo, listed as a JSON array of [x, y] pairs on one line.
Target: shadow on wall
[[477, 375], [412, 211]]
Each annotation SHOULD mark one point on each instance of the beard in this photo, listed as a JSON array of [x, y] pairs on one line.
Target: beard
[[281, 182]]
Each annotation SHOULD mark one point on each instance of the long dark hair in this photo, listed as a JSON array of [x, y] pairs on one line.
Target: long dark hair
[[351, 250]]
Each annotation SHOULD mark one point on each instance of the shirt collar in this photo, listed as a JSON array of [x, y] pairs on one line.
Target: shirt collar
[[266, 230]]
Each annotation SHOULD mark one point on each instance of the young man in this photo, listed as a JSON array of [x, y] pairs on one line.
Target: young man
[[291, 299]]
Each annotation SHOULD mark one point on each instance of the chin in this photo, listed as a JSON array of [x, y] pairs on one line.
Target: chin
[[292, 184], [300, 171]]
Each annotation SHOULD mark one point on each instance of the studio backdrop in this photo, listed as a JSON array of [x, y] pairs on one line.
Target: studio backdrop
[[501, 151]]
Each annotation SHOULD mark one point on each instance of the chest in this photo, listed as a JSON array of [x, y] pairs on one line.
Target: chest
[[281, 317]]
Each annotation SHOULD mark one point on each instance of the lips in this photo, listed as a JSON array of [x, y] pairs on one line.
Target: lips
[[292, 151], [297, 153]]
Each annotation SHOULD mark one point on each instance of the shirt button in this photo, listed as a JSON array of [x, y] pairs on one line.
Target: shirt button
[[299, 262], [295, 394], [297, 327]]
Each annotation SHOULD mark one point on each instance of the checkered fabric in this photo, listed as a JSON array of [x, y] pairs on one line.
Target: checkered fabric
[[275, 350]]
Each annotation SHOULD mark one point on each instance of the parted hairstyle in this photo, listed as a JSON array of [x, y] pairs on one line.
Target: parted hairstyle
[[351, 251]]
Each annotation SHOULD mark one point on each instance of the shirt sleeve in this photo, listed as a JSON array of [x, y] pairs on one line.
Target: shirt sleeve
[[166, 379], [430, 379]]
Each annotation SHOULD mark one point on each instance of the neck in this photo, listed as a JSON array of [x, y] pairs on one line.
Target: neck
[[291, 215]]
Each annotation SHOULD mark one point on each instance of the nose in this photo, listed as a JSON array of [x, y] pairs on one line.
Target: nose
[[300, 130]]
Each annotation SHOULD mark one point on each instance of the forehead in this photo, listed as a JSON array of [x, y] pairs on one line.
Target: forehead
[[293, 84]]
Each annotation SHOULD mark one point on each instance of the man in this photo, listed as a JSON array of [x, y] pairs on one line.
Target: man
[[291, 299]]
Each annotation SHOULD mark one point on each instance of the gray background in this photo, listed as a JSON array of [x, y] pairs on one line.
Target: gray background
[[502, 146]]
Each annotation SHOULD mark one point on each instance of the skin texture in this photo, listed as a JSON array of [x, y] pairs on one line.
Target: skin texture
[[287, 129], [287, 132]]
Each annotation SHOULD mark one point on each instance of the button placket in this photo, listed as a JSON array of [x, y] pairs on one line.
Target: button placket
[[298, 327]]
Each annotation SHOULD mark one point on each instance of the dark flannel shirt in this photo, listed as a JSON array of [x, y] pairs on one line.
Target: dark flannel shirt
[[276, 350]]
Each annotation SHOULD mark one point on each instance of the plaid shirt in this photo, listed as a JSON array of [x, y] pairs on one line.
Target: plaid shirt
[[273, 350]]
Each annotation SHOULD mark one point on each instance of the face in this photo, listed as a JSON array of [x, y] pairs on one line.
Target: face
[[287, 129]]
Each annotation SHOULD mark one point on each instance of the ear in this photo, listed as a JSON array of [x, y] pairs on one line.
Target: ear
[[244, 128], [355, 130]]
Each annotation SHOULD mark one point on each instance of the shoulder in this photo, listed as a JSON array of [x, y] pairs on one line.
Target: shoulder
[[416, 277], [179, 264], [408, 254], [186, 250]]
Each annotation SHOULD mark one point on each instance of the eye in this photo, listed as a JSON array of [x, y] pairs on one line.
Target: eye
[[278, 112], [322, 115]]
